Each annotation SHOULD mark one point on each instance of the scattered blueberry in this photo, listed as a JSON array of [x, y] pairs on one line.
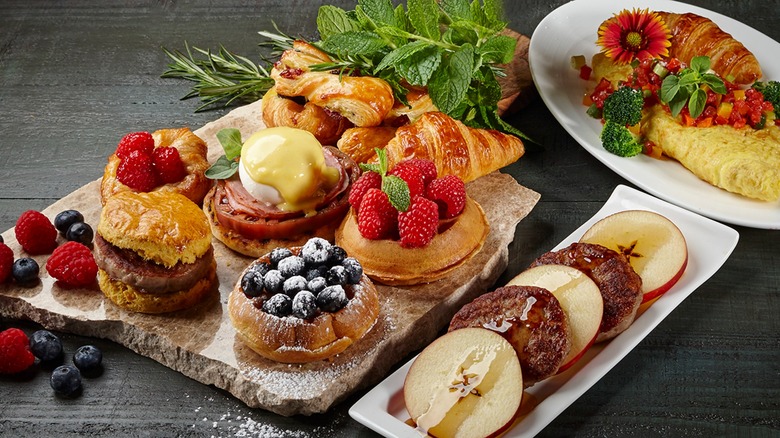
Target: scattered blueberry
[[353, 269], [304, 305], [66, 380], [315, 251], [332, 298], [46, 346], [88, 358], [65, 219], [278, 254], [291, 266], [316, 285], [80, 232], [337, 275], [336, 255], [278, 305], [252, 283], [274, 280], [293, 285], [25, 270]]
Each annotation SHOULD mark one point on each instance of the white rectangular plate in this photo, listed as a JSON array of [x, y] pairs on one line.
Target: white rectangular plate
[[571, 30], [709, 245]]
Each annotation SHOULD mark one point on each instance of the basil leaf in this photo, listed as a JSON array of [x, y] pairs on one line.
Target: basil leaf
[[424, 16], [354, 43], [700, 63], [418, 68], [451, 82], [669, 88], [678, 102], [222, 169], [715, 83], [333, 20], [697, 102], [397, 191], [230, 139], [499, 49]]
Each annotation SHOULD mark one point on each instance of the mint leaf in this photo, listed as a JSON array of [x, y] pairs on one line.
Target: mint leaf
[[499, 49], [697, 102], [230, 139], [418, 68], [424, 16], [397, 191], [493, 11], [370, 167], [222, 169], [379, 11], [400, 54], [700, 63], [461, 32], [354, 43], [381, 154], [401, 20], [451, 82], [456, 9], [333, 20]]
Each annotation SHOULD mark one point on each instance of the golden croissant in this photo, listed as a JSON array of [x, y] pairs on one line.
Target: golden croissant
[[694, 35], [455, 148], [327, 126]]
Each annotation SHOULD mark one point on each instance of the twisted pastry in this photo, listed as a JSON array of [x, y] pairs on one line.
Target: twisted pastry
[[327, 126], [694, 35]]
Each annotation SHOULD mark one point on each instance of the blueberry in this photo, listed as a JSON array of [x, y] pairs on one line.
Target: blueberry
[[46, 346], [261, 267], [278, 254], [252, 283], [80, 232], [66, 218], [353, 269], [293, 285], [25, 270], [332, 298], [315, 251], [337, 275], [316, 285], [66, 380], [336, 255], [304, 305], [313, 273], [274, 280], [291, 266], [278, 305], [88, 358]]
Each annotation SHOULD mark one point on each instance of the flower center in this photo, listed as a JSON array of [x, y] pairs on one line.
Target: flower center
[[633, 40]]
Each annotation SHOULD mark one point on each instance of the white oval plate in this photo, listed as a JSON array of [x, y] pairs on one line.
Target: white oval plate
[[571, 30], [709, 246]]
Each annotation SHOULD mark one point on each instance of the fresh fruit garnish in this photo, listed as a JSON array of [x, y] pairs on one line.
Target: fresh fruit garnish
[[25, 271], [135, 141], [15, 354], [46, 346], [376, 218], [137, 172], [368, 180], [35, 233], [65, 219], [427, 169], [168, 165], [6, 262], [72, 264], [449, 193], [417, 226], [412, 176], [66, 380], [88, 358], [80, 232]]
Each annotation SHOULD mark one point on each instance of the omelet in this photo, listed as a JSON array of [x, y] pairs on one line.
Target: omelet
[[744, 161]]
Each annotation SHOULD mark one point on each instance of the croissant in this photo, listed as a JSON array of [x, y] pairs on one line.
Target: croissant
[[455, 148], [327, 126], [694, 35], [365, 101]]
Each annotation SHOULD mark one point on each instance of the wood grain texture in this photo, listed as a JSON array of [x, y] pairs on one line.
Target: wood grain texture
[[75, 76]]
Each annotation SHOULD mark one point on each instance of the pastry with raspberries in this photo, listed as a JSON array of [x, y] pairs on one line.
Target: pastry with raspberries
[[303, 304], [168, 160], [409, 226]]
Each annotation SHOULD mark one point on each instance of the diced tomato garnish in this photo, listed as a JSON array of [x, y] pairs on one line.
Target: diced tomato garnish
[[585, 72]]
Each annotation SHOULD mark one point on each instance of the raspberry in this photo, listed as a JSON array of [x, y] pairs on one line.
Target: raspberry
[[35, 233], [449, 193], [137, 172], [135, 141], [418, 224], [6, 261], [368, 180], [377, 218], [427, 168], [15, 354], [168, 165], [413, 177], [72, 264]]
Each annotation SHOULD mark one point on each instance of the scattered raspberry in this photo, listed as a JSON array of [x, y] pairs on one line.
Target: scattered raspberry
[[137, 172], [168, 165], [377, 217], [35, 233], [413, 177], [449, 193], [427, 168], [135, 141], [72, 264], [15, 354], [418, 224], [6, 261], [368, 180]]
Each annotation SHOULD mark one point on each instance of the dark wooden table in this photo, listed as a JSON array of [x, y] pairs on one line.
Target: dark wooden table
[[75, 76]]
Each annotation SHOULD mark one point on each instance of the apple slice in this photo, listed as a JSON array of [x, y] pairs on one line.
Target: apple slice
[[653, 245], [466, 383], [580, 299]]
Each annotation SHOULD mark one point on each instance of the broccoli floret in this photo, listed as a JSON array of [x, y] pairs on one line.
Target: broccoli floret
[[624, 106], [617, 139], [771, 92]]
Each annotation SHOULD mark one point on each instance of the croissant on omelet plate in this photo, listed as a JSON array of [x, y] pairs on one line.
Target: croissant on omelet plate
[[455, 148], [694, 35]]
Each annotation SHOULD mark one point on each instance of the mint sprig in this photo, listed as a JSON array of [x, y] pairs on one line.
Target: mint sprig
[[396, 188], [226, 165], [686, 87]]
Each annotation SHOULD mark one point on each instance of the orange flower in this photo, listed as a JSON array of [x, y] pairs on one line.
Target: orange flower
[[636, 34]]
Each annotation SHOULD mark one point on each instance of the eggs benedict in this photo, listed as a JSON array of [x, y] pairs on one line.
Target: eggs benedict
[[287, 189]]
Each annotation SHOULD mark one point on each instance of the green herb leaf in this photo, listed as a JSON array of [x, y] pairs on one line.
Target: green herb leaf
[[697, 102], [222, 169], [457, 9], [678, 102], [354, 43], [669, 88], [381, 155], [332, 20], [715, 83], [379, 11], [420, 66], [499, 49], [424, 16], [230, 139], [397, 191], [451, 82], [400, 54], [370, 167], [700, 64]]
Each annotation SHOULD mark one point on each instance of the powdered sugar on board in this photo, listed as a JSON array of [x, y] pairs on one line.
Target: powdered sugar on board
[[201, 342]]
